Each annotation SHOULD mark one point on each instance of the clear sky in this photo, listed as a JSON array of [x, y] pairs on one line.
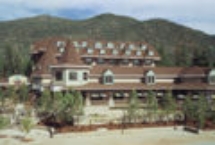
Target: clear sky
[[198, 14]]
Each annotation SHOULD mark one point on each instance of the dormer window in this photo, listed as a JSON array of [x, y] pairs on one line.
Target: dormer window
[[60, 43], [90, 51], [211, 77], [122, 45], [75, 43], [61, 49], [138, 53], [98, 45], [110, 45], [115, 52], [102, 51], [151, 53], [131, 46], [84, 43], [150, 78], [108, 77], [143, 47], [127, 52]]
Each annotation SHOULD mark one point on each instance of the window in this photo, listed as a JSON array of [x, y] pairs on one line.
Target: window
[[122, 45], [108, 77], [98, 45], [58, 75], [150, 77], [110, 45], [60, 43], [90, 51], [137, 62], [127, 52], [112, 61], [115, 52], [138, 53], [150, 53], [100, 61], [102, 51], [88, 60], [211, 77], [61, 49], [143, 47], [75, 43], [85, 76], [73, 76], [84, 44], [131, 46], [148, 62], [125, 61]]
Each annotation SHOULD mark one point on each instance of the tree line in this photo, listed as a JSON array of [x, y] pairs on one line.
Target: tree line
[[194, 113], [14, 60]]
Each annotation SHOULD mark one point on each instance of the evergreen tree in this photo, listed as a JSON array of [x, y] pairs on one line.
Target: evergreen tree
[[133, 106], [152, 104], [169, 104], [189, 109], [202, 109], [23, 93], [13, 61]]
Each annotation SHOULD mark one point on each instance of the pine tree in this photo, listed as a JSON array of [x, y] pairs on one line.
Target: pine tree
[[203, 107], [133, 106], [169, 104], [152, 104]]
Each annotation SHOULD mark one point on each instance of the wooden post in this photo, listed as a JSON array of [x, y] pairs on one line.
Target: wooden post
[[87, 100], [111, 102]]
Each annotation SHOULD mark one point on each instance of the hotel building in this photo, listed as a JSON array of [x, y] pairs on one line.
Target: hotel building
[[106, 72]]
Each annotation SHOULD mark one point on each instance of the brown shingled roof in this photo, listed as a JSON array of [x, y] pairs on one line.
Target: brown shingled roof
[[136, 70], [47, 58], [71, 56], [192, 71], [141, 86]]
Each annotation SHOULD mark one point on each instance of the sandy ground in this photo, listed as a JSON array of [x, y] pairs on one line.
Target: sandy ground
[[144, 136]]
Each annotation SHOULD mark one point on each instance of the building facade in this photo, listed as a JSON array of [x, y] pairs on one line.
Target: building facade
[[106, 72]]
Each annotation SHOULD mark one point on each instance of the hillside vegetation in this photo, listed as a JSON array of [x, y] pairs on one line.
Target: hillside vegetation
[[178, 45]]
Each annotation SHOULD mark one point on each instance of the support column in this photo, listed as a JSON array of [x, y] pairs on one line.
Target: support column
[[87, 100], [111, 102]]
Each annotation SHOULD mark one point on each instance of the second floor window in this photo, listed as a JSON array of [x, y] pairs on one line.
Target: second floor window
[[85, 76], [59, 76], [108, 79], [73, 76], [150, 78]]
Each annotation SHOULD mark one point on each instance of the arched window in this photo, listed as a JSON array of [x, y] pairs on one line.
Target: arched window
[[211, 77], [150, 78], [108, 77]]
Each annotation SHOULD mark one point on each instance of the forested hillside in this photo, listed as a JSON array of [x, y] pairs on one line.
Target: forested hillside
[[178, 45]]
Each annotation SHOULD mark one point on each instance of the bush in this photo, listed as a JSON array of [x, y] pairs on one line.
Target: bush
[[4, 122]]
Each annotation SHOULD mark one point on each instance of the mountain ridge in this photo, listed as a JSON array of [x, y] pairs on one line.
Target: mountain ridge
[[169, 38]]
